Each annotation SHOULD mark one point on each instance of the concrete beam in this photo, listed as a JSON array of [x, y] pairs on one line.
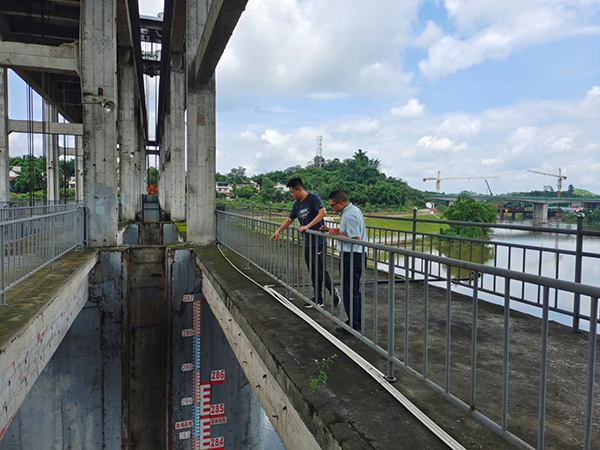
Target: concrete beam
[[124, 32], [177, 43], [46, 58], [222, 19], [23, 126]]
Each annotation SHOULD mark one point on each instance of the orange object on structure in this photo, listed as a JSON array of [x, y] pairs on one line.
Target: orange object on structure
[[152, 189]]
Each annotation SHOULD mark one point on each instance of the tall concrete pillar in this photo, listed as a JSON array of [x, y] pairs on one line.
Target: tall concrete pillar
[[52, 163], [143, 161], [98, 85], [79, 169], [127, 131], [177, 140], [164, 166], [540, 212], [201, 137], [4, 152]]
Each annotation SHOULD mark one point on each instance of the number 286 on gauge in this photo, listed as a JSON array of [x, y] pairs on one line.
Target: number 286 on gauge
[[217, 376]]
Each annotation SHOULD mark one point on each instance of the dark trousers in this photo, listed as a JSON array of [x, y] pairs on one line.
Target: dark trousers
[[351, 268], [314, 256]]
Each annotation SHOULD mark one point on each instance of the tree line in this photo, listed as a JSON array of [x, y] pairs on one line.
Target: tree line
[[360, 176], [32, 176]]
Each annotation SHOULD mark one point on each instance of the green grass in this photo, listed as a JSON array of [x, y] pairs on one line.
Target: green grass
[[405, 224]]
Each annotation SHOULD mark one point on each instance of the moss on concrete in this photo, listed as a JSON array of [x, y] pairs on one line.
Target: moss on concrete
[[28, 297]]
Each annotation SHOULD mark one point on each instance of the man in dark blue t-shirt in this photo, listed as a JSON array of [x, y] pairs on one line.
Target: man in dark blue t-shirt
[[309, 210]]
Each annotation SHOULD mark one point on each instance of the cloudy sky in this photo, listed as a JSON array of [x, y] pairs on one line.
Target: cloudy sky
[[466, 87], [471, 88]]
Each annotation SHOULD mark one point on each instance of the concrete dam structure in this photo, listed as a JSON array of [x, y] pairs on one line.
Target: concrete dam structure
[[120, 359], [121, 333]]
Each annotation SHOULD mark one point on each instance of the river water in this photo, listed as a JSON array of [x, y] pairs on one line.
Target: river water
[[551, 265]]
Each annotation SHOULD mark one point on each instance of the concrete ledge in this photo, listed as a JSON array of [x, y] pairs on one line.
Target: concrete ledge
[[278, 349], [49, 58], [40, 312]]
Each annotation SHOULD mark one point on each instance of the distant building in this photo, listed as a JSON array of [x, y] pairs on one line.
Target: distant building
[[249, 183], [224, 188], [281, 187], [13, 173]]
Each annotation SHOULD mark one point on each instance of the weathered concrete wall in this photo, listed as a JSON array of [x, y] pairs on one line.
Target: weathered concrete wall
[[75, 402], [145, 343], [116, 380], [244, 427], [26, 355], [150, 233]]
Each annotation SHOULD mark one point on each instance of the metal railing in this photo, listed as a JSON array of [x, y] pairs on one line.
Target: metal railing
[[32, 243], [14, 211], [533, 259], [389, 309]]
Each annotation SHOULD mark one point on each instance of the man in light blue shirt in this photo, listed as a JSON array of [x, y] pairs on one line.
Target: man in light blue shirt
[[352, 256]]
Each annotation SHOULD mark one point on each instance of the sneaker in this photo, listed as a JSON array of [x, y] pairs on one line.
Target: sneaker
[[320, 303], [308, 305], [336, 297]]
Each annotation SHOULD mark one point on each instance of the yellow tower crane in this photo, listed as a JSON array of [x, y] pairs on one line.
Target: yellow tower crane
[[438, 180], [560, 177]]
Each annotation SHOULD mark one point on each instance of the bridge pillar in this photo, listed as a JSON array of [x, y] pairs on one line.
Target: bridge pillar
[[540, 212], [200, 101], [98, 86], [127, 134], [4, 152], [52, 164]]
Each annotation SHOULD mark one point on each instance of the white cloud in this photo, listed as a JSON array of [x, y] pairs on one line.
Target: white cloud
[[275, 138], [412, 109], [563, 144], [489, 29], [301, 47], [460, 126], [429, 35], [435, 143], [328, 95], [248, 136], [360, 126]]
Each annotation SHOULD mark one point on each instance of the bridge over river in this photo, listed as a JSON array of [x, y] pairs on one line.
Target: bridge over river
[[540, 204]]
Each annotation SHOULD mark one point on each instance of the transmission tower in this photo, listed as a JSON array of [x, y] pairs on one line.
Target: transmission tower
[[319, 157]]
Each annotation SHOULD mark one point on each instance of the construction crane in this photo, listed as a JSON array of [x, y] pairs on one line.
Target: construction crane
[[438, 180], [489, 188], [560, 177]]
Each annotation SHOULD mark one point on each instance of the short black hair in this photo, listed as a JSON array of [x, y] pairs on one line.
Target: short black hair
[[295, 183], [338, 195]]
